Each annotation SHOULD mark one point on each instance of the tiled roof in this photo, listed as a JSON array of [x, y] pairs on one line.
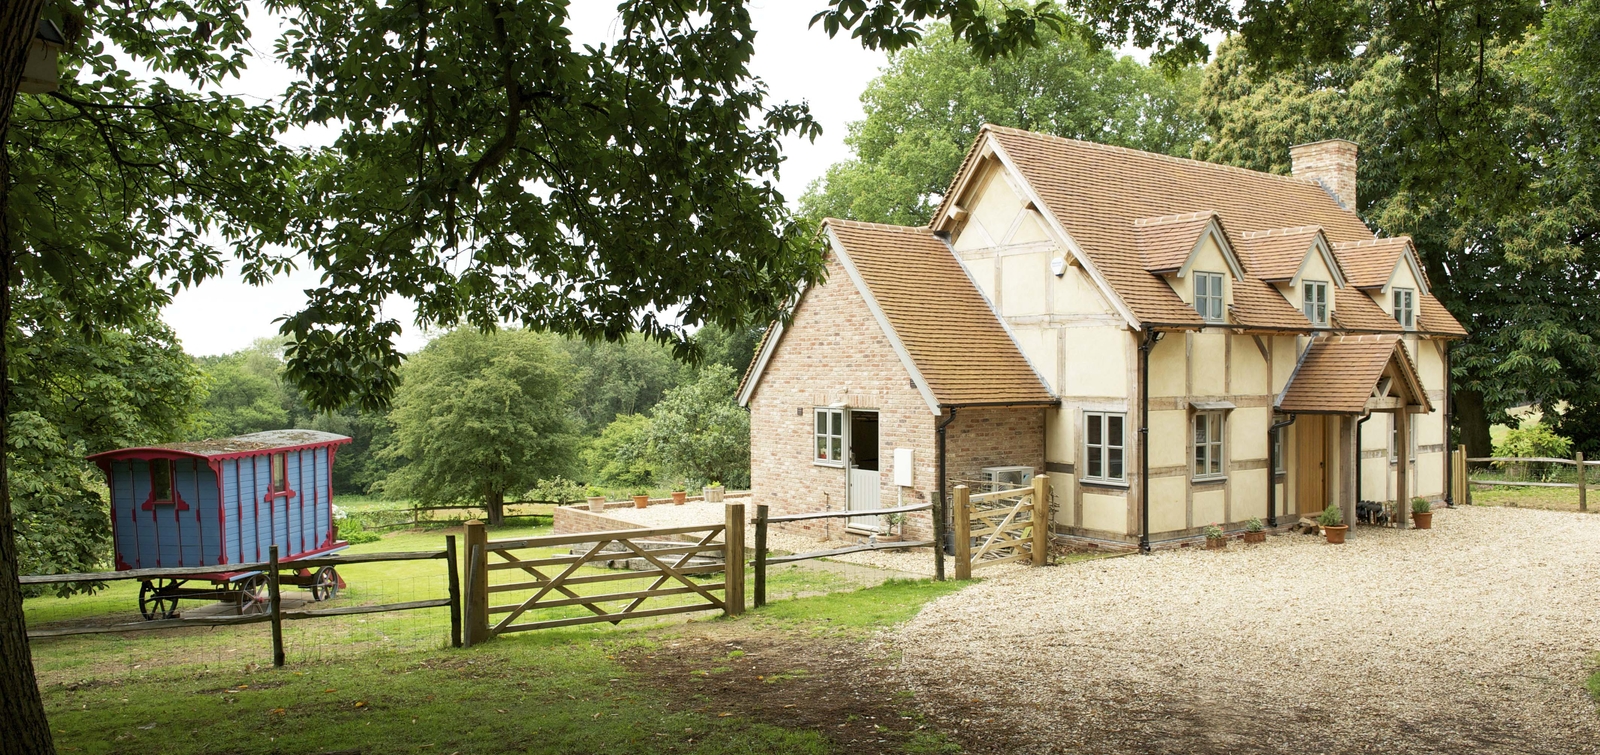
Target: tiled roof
[[1337, 374], [1276, 255], [1258, 305], [952, 334], [1432, 317], [1166, 242], [1368, 263]]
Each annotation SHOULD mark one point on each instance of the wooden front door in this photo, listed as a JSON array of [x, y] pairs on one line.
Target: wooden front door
[[1310, 465]]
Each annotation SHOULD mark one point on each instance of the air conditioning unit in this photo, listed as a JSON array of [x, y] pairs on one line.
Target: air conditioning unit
[[1007, 478]]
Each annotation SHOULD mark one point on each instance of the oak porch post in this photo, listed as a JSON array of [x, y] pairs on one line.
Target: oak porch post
[[1402, 468]]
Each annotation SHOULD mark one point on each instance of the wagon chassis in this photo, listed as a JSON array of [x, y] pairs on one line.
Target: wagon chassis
[[158, 598]]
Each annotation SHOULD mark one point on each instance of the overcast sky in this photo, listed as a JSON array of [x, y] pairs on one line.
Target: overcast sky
[[798, 64]]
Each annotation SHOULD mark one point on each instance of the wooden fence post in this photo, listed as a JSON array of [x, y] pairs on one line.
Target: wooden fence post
[[1041, 520], [761, 555], [477, 603], [733, 560], [963, 522], [1583, 485], [940, 506], [1464, 492], [275, 605], [454, 575]]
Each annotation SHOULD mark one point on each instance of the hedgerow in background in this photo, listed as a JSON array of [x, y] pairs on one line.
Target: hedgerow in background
[[622, 457], [700, 434]]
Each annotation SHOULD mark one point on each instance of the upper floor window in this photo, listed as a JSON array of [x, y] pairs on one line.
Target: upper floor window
[[1405, 307], [830, 436], [1103, 446], [1315, 301], [280, 473], [1208, 296], [1208, 434], [161, 481]]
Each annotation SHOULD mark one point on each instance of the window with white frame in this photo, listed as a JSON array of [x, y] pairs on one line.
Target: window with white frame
[[1394, 437], [1314, 296], [1208, 296], [1103, 437], [1405, 307], [1279, 465], [1208, 434], [829, 437]]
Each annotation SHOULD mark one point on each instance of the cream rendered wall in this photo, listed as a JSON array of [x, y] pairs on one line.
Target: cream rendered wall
[[1314, 268], [1208, 259], [1208, 363]]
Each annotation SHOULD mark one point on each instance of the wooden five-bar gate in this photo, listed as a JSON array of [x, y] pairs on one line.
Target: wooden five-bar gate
[[1005, 526], [552, 579]]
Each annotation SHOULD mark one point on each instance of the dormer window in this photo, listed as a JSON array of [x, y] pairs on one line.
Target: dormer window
[[1314, 296], [1208, 296], [1405, 307]]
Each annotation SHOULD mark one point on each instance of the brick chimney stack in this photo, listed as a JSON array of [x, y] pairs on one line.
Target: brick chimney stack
[[1332, 162]]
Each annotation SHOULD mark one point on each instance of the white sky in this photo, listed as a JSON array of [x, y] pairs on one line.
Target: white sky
[[798, 64]]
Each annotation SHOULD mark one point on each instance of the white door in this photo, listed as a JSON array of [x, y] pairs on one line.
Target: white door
[[865, 476]]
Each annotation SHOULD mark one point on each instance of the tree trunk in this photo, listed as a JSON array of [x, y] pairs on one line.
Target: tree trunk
[[1473, 422], [26, 732], [496, 500]]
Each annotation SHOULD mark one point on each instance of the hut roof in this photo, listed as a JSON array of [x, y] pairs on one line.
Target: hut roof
[[240, 445]]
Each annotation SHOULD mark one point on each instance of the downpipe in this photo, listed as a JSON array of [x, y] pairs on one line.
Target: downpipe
[[1151, 338], [1272, 470]]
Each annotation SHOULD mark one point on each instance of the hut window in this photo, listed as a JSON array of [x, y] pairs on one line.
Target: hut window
[[161, 480], [280, 475], [829, 437]]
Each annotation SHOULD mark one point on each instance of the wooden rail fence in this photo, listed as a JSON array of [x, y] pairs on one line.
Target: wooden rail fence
[[274, 613], [762, 560], [554, 577], [1582, 465], [1012, 524]]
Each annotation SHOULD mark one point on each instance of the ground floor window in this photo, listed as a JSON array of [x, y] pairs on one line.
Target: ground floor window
[[1208, 435], [829, 436], [1103, 452], [1279, 465], [1394, 437]]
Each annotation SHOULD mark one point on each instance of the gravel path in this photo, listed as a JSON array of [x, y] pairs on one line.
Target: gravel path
[[1475, 636]]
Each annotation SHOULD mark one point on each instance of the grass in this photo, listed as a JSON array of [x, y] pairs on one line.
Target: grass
[[1554, 499], [1593, 684]]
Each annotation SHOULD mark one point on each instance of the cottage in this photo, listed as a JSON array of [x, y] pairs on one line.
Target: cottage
[[1176, 343]]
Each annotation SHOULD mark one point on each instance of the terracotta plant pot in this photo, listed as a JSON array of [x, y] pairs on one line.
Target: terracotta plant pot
[[1255, 537], [1335, 533], [1216, 543], [679, 496], [597, 503], [641, 501], [1423, 519]]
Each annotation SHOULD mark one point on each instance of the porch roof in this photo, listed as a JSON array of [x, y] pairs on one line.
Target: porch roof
[[1340, 374]]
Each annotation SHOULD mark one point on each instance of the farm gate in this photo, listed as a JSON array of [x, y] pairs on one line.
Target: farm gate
[[1005, 525]]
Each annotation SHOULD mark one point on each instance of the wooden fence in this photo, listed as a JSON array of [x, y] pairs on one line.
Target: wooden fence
[[555, 588], [274, 613], [762, 560], [1577, 461], [1012, 524]]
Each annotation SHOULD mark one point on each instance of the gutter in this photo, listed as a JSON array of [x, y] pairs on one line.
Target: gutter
[[1272, 470]]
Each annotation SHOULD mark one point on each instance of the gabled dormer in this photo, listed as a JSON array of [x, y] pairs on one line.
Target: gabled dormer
[[1389, 271], [1300, 264], [1193, 254]]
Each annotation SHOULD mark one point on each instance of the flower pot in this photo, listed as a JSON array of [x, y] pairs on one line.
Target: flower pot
[[641, 501], [1423, 519], [1216, 543], [1255, 537], [714, 495], [1335, 533], [679, 496], [597, 503]]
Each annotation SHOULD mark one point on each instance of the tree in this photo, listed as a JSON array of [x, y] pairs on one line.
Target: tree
[[735, 348], [622, 455], [245, 392], [700, 433], [611, 379], [479, 415], [924, 111]]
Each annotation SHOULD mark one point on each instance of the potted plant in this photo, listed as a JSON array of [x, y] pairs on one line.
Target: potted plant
[[713, 492], [1333, 526], [1254, 531], [1216, 539], [897, 528], [597, 499], [641, 498], [1422, 513], [679, 497]]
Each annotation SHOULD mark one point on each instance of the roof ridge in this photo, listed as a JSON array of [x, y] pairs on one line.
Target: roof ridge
[[1158, 155], [1279, 231], [877, 226], [1164, 219], [1406, 238]]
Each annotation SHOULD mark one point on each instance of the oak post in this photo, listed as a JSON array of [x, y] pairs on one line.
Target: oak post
[[1583, 485], [941, 506], [453, 574], [733, 560], [1041, 520], [963, 523], [275, 605], [761, 555], [477, 604]]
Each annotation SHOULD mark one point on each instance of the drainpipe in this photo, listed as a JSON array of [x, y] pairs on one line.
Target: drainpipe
[[1449, 450], [1151, 337], [1272, 470], [1359, 423], [940, 519]]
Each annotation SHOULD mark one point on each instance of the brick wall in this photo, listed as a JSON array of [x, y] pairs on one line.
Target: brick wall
[[994, 437]]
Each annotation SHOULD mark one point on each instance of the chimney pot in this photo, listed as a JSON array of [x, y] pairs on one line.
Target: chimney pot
[[1332, 163]]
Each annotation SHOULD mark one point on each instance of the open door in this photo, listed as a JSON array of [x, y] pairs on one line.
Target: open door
[[1311, 486], [865, 477]]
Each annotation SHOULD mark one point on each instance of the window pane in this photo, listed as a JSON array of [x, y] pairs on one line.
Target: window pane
[[1114, 463], [838, 449], [1114, 429], [1199, 430], [838, 423], [1201, 289], [1199, 458], [822, 447], [1095, 465], [1216, 458], [1216, 305], [1096, 434], [822, 423]]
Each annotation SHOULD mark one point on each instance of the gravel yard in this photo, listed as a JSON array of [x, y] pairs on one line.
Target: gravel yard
[[1474, 636]]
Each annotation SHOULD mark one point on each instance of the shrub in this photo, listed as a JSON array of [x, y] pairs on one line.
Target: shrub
[[1331, 517], [1533, 440], [1420, 506], [1213, 532], [558, 490], [360, 536], [1253, 524]]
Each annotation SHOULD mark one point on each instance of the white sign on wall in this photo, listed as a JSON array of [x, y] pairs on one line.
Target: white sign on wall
[[902, 467]]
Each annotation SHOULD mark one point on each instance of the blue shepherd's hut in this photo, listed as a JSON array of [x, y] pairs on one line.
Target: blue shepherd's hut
[[219, 502]]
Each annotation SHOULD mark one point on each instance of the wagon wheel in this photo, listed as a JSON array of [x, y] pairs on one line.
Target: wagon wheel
[[155, 603], [253, 595], [326, 585]]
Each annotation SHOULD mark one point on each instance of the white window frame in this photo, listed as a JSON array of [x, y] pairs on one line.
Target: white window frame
[[825, 444], [1280, 465], [1314, 307], [1394, 432], [1210, 454], [1212, 299], [1105, 446], [1409, 320]]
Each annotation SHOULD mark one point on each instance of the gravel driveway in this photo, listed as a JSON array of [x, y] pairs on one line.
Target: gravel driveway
[[1475, 636]]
